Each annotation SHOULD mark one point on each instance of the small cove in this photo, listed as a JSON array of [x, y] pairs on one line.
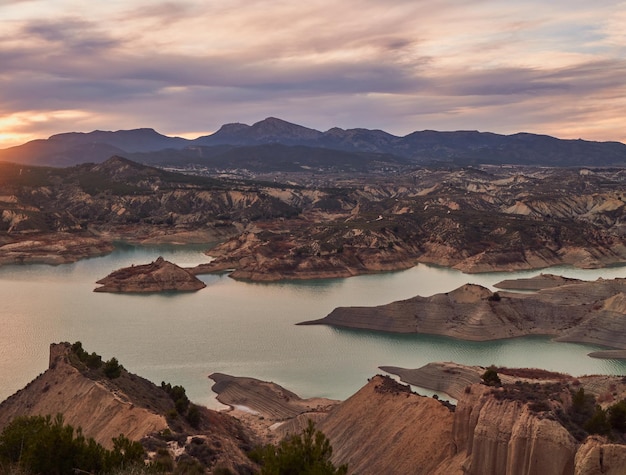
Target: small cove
[[248, 329]]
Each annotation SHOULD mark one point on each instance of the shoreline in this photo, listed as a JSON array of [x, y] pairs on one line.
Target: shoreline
[[570, 310], [65, 248]]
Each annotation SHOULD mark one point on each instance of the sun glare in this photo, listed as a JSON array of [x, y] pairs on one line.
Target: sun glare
[[20, 127]]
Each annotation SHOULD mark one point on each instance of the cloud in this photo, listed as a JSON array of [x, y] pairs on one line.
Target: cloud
[[399, 65]]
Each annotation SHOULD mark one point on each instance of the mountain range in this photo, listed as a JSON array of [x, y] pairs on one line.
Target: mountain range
[[275, 143]]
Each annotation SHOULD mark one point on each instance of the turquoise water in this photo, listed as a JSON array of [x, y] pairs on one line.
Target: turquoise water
[[247, 329]]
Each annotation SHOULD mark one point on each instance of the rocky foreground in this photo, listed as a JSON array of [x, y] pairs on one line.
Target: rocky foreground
[[532, 422], [568, 309], [522, 427], [124, 403]]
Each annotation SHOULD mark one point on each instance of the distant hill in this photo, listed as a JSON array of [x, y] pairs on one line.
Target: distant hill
[[95, 147], [237, 145], [272, 157]]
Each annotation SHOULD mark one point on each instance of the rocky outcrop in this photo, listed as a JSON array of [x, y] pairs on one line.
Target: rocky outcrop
[[270, 410], [449, 378], [306, 252], [539, 282], [497, 431], [596, 457], [515, 429], [385, 428], [158, 276], [128, 404], [60, 248], [100, 408], [576, 311], [506, 437]]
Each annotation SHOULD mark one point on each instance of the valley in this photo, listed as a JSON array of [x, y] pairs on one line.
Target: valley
[[303, 210], [475, 219]]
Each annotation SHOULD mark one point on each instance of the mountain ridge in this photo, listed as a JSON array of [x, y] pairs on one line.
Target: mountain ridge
[[461, 147]]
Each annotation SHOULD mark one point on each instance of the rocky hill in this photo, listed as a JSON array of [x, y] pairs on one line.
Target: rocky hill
[[105, 406], [576, 311], [158, 276], [473, 219], [428, 146], [524, 422], [532, 423]]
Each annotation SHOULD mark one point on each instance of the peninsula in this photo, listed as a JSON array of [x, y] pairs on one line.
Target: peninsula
[[569, 310]]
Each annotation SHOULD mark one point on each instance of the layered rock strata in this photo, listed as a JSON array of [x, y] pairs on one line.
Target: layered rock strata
[[576, 311], [158, 276]]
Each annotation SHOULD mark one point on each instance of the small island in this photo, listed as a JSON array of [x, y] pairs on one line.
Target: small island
[[158, 276]]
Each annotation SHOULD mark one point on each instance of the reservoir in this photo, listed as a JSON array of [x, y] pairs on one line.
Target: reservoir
[[248, 329]]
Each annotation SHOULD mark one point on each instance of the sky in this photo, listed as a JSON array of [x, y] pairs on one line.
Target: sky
[[187, 67]]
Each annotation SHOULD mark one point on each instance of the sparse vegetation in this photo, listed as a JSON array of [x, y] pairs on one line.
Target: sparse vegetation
[[112, 369], [308, 453], [184, 407], [490, 377], [47, 446]]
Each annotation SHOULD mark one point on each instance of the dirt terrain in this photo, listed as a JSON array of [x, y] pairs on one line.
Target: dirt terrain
[[475, 219], [131, 405]]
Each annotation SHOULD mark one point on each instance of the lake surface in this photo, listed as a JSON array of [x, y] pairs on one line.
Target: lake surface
[[247, 329]]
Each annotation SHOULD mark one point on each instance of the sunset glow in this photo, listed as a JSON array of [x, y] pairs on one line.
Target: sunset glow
[[185, 68]]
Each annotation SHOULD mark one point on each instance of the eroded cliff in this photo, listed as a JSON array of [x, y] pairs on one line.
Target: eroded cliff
[[127, 404]]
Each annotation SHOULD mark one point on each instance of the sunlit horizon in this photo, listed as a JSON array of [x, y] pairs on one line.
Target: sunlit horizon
[[185, 69]]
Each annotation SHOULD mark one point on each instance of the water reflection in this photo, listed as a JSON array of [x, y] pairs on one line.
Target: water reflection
[[248, 329]]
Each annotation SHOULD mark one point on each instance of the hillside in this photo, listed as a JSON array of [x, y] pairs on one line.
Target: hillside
[[158, 276], [105, 407], [473, 219], [423, 147], [533, 423], [529, 422]]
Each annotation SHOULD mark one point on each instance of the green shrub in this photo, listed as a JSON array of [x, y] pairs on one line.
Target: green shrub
[[307, 453], [598, 423], [617, 416], [112, 369], [42, 445], [490, 377], [193, 416], [178, 395], [93, 361]]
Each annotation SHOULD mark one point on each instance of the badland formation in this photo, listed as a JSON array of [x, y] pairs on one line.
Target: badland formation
[[522, 422], [276, 201]]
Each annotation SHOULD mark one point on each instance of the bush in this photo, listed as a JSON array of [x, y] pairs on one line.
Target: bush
[[495, 297], [193, 416], [307, 453], [39, 444], [490, 377], [112, 369], [617, 416], [178, 395], [598, 423], [93, 361]]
